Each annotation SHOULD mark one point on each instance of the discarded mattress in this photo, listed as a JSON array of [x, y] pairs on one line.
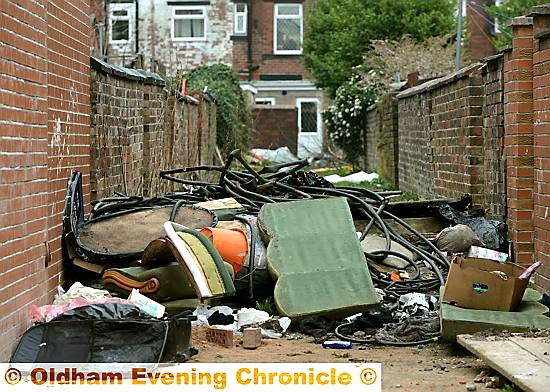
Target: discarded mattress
[[316, 258]]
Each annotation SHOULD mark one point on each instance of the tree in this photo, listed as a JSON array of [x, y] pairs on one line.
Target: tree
[[504, 12], [339, 32]]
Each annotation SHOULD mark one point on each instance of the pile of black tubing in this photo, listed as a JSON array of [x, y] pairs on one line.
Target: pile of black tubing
[[288, 182]]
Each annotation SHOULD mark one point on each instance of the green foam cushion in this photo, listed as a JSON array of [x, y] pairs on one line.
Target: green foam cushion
[[316, 258]]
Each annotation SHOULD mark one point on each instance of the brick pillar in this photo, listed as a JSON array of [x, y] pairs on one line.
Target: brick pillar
[[541, 130], [518, 141]]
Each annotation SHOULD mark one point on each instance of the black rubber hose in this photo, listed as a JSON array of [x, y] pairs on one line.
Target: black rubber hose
[[399, 255], [380, 342]]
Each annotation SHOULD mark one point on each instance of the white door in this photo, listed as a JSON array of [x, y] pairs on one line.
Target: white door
[[310, 135]]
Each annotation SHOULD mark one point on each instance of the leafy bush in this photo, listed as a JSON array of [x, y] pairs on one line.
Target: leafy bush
[[232, 113], [345, 118]]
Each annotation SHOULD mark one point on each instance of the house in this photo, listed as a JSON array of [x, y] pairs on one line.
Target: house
[[260, 39]]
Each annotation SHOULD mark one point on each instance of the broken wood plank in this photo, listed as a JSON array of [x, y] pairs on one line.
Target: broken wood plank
[[514, 359]]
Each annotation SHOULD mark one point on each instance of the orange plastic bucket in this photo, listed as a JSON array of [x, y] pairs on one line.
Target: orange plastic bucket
[[232, 244]]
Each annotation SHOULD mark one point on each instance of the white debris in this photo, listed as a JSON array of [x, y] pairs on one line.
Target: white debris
[[354, 178]]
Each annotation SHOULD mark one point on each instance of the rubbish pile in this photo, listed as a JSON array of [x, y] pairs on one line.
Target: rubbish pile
[[321, 251]]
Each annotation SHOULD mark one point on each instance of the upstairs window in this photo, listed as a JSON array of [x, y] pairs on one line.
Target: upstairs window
[[240, 19], [189, 23], [119, 23], [288, 30]]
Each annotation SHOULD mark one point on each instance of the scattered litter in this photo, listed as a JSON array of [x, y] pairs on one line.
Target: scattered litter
[[280, 155], [249, 316], [484, 253], [456, 239], [337, 344], [252, 338], [78, 290], [493, 234], [354, 178], [146, 304]]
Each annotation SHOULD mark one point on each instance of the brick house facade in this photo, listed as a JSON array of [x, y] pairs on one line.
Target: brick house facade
[[260, 39]]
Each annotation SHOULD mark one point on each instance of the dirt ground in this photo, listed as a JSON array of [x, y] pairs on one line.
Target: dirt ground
[[434, 367]]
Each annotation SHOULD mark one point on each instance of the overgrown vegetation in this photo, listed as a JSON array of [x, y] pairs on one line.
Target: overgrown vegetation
[[356, 48], [232, 113], [507, 10], [345, 119], [340, 32]]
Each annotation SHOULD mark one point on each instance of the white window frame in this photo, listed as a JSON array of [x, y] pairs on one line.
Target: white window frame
[[236, 15], [129, 8], [276, 17], [265, 101], [189, 17], [299, 102]]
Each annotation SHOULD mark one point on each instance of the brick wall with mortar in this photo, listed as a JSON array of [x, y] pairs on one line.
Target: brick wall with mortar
[[440, 136], [541, 130], [494, 163], [275, 127], [261, 34], [415, 152], [518, 124], [44, 135], [381, 133], [138, 129]]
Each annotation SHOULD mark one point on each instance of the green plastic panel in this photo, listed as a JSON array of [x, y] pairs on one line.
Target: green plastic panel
[[316, 258]]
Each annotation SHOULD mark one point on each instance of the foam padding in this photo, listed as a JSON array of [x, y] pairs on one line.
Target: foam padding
[[316, 258]]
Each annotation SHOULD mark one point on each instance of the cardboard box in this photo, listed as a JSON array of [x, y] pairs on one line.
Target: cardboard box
[[472, 283]]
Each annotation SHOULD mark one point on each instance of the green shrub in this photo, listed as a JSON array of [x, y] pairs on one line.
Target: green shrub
[[345, 118], [232, 113]]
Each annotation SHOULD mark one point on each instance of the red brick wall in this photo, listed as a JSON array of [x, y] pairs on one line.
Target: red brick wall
[[261, 34], [381, 134], [44, 134], [518, 123], [138, 129], [541, 130], [494, 163], [274, 127]]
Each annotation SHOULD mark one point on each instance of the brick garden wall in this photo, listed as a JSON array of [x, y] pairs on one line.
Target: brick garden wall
[[440, 136], [139, 129], [44, 135], [381, 139], [274, 127], [485, 130], [494, 164]]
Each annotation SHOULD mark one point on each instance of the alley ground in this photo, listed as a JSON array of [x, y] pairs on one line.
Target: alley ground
[[435, 367]]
